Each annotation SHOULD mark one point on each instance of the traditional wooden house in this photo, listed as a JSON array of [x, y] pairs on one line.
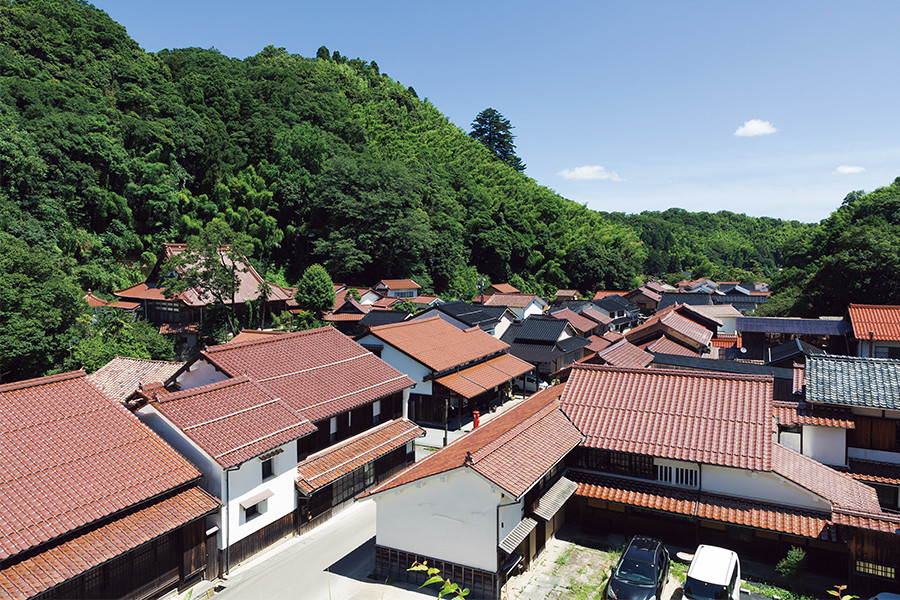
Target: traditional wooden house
[[876, 329], [250, 414], [548, 343], [493, 319], [182, 314], [95, 505], [484, 506], [455, 371]]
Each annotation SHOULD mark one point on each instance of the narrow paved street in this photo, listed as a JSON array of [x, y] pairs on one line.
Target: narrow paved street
[[331, 562]]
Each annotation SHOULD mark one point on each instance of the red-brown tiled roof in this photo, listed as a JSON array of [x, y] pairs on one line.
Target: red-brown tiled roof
[[885, 522], [437, 344], [876, 472], [248, 335], [512, 450], [179, 328], [788, 413], [883, 321], [625, 354], [604, 293], [399, 284], [673, 324], [70, 455], [122, 376], [799, 382], [475, 380], [721, 419], [94, 301], [511, 300], [334, 462], [612, 336], [596, 315], [839, 488], [597, 344], [318, 372], [581, 324], [73, 557], [713, 507], [232, 420], [386, 302], [566, 293], [504, 288], [664, 345], [725, 340], [647, 292]]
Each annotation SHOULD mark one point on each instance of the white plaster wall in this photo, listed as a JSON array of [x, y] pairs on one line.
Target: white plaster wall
[[789, 439], [247, 481], [729, 325], [200, 373], [403, 363], [876, 455], [452, 516], [863, 347], [757, 485], [533, 308], [501, 327], [828, 445]]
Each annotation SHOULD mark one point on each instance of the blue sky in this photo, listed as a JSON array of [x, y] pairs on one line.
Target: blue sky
[[766, 108]]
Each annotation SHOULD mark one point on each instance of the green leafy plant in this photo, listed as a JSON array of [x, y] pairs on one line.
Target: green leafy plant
[[448, 588], [838, 592], [791, 566]]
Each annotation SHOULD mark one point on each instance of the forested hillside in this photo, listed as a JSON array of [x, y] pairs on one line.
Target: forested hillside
[[106, 151]]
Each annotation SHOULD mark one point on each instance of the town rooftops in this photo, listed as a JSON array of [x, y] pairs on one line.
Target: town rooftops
[[438, 344], [716, 311], [504, 288], [595, 315], [719, 419], [249, 335], [513, 450], [69, 456], [233, 420], [671, 323], [794, 348], [473, 315], [317, 372], [536, 329], [853, 381], [881, 322], [120, 377]]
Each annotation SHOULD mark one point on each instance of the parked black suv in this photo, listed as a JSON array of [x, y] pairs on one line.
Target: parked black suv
[[641, 572]]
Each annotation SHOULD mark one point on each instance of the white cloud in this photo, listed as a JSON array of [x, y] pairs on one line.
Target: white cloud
[[848, 170], [755, 127], [590, 172]]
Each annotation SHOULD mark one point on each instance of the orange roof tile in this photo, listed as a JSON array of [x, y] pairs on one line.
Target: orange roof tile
[[725, 340], [247, 335], [604, 293], [882, 321], [596, 315], [437, 344], [721, 419], [625, 354], [399, 284], [581, 324], [513, 450], [760, 515], [233, 420], [504, 288], [69, 559], [94, 301], [318, 372], [672, 323], [72, 455], [479, 378], [511, 300], [322, 468], [664, 345], [787, 412]]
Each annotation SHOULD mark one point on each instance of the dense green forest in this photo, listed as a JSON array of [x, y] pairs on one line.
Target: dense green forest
[[106, 151]]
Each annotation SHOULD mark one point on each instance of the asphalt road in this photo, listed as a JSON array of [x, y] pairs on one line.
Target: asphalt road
[[331, 562]]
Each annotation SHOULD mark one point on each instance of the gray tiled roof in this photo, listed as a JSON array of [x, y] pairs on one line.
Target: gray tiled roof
[[852, 381]]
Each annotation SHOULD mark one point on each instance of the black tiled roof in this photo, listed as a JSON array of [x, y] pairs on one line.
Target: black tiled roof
[[798, 326], [720, 366], [383, 317], [669, 298], [615, 302], [536, 329], [790, 349], [471, 314], [853, 381]]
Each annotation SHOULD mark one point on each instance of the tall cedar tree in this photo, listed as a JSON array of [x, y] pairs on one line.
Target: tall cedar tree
[[494, 131]]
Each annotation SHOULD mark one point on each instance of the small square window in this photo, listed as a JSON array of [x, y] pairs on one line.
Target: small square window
[[251, 512], [268, 469]]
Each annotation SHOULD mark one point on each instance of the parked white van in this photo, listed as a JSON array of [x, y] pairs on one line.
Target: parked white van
[[714, 574]]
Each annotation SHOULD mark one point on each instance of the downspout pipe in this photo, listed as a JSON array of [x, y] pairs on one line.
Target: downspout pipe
[[228, 521]]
